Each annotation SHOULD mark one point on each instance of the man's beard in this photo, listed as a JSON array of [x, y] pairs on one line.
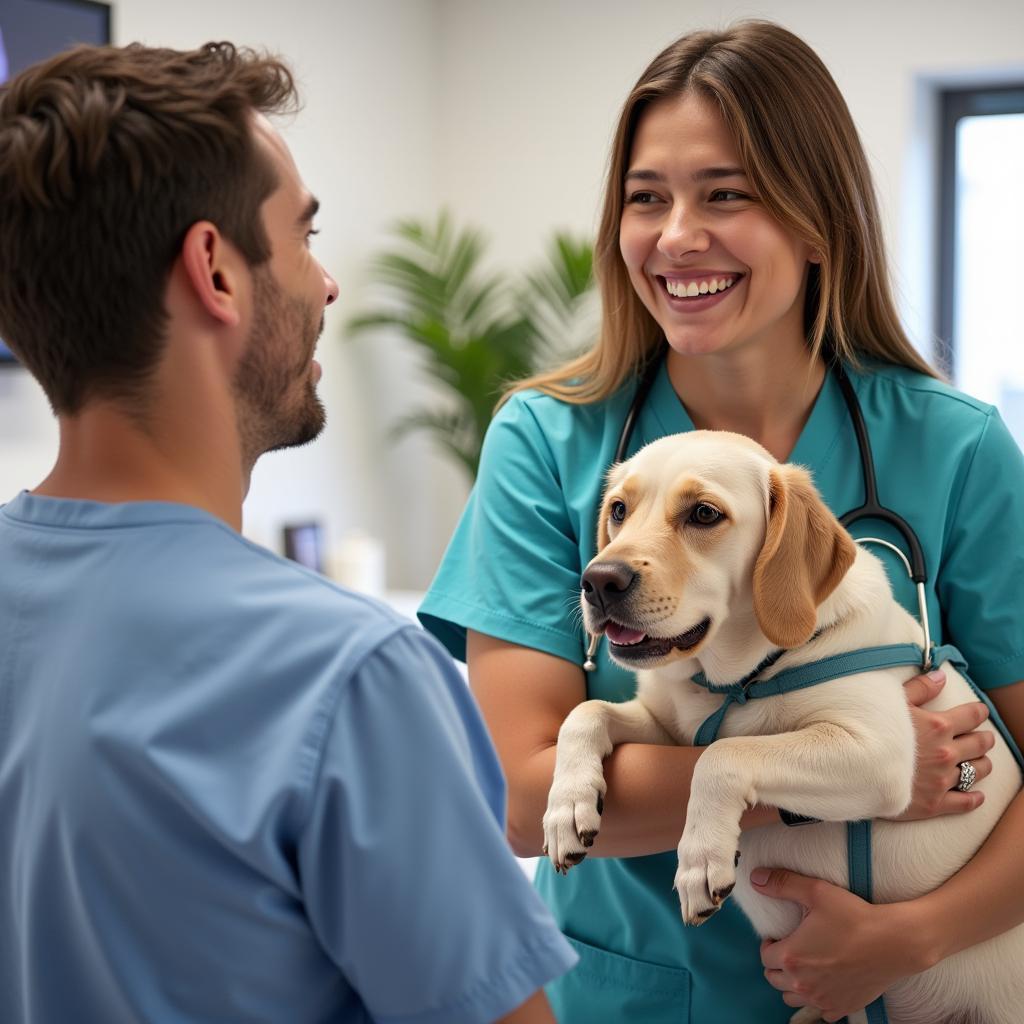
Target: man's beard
[[277, 402]]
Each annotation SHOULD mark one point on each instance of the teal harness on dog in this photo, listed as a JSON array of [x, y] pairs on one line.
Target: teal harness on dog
[[858, 833]]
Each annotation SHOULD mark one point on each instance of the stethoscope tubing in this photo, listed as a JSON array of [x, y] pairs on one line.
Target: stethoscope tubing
[[872, 507]]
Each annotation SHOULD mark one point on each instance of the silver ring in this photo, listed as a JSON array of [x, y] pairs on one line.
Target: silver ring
[[968, 774]]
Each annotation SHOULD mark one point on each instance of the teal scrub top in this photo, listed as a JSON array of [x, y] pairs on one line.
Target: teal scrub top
[[944, 461]]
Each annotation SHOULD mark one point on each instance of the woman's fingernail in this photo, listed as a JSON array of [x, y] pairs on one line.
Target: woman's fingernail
[[759, 876], [938, 676]]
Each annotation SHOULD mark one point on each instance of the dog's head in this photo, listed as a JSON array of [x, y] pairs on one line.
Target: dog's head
[[702, 526]]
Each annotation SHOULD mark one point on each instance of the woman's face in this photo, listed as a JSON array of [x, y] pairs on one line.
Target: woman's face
[[713, 268]]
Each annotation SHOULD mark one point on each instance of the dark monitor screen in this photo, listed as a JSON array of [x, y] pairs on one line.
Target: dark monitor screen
[[31, 30]]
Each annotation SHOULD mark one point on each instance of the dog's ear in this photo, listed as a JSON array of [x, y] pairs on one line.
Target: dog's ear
[[805, 555]]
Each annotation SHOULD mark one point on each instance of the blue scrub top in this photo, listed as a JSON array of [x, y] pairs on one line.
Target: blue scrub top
[[944, 461], [231, 791]]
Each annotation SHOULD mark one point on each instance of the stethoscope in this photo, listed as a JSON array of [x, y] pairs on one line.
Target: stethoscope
[[871, 509]]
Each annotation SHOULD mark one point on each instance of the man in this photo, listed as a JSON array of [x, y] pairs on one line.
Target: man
[[229, 791]]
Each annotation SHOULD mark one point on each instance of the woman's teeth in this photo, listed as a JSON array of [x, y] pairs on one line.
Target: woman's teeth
[[690, 289]]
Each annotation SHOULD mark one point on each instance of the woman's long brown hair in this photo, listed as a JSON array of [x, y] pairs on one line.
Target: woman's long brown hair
[[800, 149]]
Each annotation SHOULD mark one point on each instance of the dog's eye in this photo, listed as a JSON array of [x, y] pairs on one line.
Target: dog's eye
[[704, 514], [618, 511]]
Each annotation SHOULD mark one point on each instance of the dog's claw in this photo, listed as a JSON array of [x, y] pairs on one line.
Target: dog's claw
[[705, 879], [719, 896], [571, 823]]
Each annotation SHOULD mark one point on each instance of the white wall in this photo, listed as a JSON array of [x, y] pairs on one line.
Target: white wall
[[365, 143], [504, 112]]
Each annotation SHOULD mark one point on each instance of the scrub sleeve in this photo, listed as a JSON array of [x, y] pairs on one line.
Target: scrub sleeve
[[413, 944], [944, 461]]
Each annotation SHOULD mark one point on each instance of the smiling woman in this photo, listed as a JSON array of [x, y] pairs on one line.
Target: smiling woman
[[739, 254], [709, 263]]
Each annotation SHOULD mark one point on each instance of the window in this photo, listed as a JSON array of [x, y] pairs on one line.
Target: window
[[981, 287]]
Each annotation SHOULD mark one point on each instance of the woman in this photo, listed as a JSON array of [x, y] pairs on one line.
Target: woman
[[740, 237]]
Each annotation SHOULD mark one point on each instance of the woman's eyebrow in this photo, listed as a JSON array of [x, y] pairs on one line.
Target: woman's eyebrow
[[712, 173], [644, 176], [704, 174]]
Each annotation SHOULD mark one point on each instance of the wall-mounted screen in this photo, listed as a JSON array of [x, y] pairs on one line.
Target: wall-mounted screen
[[33, 29]]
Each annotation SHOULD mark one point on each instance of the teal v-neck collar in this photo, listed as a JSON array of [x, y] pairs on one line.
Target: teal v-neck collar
[[665, 414]]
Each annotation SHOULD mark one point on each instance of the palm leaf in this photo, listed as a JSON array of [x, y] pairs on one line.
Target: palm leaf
[[475, 330]]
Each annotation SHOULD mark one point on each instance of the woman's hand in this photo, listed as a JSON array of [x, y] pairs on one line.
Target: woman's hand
[[845, 953], [944, 740]]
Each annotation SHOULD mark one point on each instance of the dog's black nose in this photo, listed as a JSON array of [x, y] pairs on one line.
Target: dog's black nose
[[606, 583]]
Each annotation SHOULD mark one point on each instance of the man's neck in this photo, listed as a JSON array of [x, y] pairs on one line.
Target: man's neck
[[106, 454]]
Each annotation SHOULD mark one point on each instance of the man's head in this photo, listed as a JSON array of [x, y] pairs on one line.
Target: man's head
[[108, 157]]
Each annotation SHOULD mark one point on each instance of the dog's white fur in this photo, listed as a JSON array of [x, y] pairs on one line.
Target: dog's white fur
[[776, 569]]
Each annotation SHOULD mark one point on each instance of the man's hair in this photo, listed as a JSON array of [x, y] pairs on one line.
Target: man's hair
[[107, 157]]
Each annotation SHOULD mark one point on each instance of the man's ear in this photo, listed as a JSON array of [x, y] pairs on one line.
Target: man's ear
[[213, 269], [805, 555]]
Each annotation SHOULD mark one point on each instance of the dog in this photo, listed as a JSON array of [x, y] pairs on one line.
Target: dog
[[712, 556]]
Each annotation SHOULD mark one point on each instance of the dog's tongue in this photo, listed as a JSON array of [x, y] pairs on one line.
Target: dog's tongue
[[622, 635]]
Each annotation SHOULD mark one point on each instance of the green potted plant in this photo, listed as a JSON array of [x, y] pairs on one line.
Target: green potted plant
[[477, 331]]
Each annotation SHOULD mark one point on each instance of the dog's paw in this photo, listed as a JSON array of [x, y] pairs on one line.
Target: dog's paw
[[704, 880], [572, 821]]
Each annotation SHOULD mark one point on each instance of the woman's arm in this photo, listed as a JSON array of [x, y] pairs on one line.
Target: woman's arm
[[525, 695], [536, 1010], [847, 952]]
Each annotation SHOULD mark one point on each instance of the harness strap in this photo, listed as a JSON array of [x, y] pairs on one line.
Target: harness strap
[[876, 1012], [708, 731], [858, 863], [799, 678], [858, 833], [858, 858]]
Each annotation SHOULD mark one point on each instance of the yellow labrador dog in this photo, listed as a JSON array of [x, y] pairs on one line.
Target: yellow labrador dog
[[711, 555]]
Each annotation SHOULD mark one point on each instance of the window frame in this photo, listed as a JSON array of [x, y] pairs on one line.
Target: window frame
[[954, 105]]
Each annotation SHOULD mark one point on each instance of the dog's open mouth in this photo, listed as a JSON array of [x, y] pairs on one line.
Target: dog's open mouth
[[634, 644]]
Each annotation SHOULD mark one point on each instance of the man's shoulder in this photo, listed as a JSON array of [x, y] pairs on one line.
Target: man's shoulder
[[253, 583], [174, 570]]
